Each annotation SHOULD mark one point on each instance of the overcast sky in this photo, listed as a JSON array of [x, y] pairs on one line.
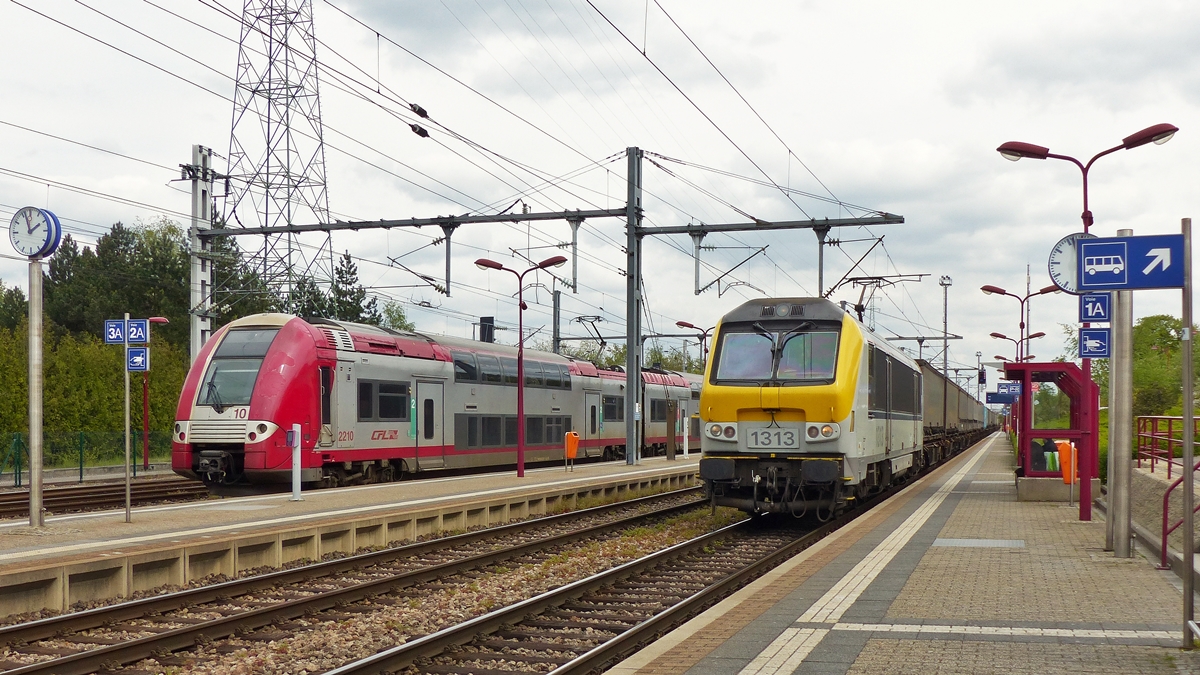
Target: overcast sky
[[894, 107]]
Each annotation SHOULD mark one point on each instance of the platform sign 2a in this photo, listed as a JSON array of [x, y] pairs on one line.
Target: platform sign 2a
[[1095, 308], [1128, 263], [1095, 343], [138, 331]]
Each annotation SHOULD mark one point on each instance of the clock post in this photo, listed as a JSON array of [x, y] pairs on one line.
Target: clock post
[[35, 233]]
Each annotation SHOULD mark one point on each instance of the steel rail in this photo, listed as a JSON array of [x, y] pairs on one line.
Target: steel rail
[[173, 640], [16, 503]]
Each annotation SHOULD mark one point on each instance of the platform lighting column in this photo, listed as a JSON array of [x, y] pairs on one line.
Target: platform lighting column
[[1016, 150], [37, 517], [146, 402], [1189, 455], [702, 334], [485, 264], [633, 303]]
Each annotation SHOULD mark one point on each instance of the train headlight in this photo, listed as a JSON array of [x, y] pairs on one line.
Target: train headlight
[[721, 431], [822, 431], [253, 436], [783, 309], [729, 431], [262, 428], [715, 431]]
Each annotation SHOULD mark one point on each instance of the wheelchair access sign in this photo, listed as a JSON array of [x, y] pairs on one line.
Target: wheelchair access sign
[[1129, 263]]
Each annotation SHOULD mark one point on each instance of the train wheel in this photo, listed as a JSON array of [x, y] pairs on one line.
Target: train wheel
[[370, 474]]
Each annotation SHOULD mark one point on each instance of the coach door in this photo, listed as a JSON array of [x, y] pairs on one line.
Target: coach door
[[430, 426], [345, 392], [591, 420]]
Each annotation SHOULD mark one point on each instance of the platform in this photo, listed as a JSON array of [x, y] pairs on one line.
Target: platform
[[78, 558], [952, 575]]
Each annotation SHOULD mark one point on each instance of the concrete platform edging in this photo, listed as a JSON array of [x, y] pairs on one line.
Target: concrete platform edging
[[104, 575]]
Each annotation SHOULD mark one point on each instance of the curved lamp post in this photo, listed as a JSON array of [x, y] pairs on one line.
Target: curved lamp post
[[1020, 356], [1157, 134], [146, 402], [703, 332], [485, 264], [989, 290]]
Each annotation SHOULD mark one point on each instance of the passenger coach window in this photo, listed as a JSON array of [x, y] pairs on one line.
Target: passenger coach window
[[592, 420], [658, 410], [489, 368], [428, 418], [566, 376], [326, 395], [510, 370], [382, 401], [533, 374], [809, 356], [464, 367], [393, 401], [366, 401], [614, 408]]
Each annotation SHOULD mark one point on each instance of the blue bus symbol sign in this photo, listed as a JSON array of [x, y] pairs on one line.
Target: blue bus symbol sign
[[137, 359], [1105, 265], [114, 332], [1094, 343], [1094, 308]]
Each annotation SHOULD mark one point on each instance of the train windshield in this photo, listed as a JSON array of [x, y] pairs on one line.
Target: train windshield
[[234, 368], [784, 356]]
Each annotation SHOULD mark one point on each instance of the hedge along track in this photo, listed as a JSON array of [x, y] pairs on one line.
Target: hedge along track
[[15, 503], [353, 579]]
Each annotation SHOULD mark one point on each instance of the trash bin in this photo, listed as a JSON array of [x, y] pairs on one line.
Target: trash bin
[[1066, 460], [571, 442]]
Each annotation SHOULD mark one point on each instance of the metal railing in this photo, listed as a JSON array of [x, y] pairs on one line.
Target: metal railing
[[1157, 440]]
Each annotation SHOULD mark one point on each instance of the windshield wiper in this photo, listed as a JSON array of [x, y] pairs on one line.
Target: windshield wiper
[[214, 398]]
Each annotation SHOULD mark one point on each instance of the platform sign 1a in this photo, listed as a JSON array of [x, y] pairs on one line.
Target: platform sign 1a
[[137, 359], [1095, 343], [1127, 263], [1095, 308]]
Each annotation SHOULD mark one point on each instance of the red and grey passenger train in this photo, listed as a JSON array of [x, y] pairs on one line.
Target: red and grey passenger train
[[374, 404]]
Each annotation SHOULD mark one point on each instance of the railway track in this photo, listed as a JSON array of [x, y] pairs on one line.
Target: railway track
[[15, 503], [588, 626], [268, 606]]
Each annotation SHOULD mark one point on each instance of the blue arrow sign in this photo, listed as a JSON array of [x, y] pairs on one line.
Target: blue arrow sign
[[137, 359], [114, 332], [1094, 308], [1094, 343], [1126, 263]]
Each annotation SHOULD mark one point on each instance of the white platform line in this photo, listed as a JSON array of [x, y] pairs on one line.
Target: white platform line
[[789, 650], [1020, 631]]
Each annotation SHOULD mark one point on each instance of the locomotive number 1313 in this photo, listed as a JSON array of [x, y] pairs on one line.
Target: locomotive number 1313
[[773, 438]]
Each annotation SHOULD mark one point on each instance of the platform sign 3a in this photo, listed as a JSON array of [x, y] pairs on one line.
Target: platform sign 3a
[[137, 359], [1095, 343], [1128, 263], [114, 332], [1095, 308]]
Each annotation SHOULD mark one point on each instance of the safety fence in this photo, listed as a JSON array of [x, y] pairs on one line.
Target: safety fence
[[79, 449], [1160, 441]]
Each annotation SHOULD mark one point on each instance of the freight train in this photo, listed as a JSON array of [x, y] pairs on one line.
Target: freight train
[[805, 409], [374, 404]]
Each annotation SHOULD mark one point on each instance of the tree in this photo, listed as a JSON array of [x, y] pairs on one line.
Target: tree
[[306, 299], [13, 307], [395, 318], [347, 298]]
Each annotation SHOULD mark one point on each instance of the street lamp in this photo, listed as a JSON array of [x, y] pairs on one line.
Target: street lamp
[[1019, 355], [989, 290], [703, 336], [146, 401], [485, 264], [1157, 134]]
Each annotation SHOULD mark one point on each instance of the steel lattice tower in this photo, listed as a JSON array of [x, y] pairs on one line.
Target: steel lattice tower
[[276, 147]]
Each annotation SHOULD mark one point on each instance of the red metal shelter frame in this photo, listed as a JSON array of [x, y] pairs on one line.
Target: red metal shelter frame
[[1085, 409]]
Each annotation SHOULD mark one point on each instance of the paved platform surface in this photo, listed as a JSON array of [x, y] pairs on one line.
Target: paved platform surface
[[952, 575], [106, 532]]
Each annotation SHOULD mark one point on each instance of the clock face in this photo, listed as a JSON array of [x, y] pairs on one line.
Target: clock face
[[34, 232], [1064, 262]]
